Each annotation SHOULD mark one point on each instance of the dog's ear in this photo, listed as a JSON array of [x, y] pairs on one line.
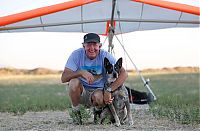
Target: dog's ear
[[119, 63], [106, 62]]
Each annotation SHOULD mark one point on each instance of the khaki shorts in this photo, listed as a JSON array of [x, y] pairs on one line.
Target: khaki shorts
[[85, 96]]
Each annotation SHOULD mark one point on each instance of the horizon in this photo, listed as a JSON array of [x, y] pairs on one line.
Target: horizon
[[9, 71], [9, 67]]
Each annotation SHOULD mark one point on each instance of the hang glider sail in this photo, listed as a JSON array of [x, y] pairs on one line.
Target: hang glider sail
[[94, 15]]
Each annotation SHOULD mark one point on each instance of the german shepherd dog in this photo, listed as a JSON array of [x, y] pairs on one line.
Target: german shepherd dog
[[119, 110]]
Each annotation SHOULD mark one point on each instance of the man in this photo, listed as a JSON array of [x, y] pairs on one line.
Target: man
[[85, 73]]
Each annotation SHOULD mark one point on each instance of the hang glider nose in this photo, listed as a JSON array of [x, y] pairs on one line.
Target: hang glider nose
[[94, 15]]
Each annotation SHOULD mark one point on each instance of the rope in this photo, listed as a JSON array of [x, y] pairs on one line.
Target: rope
[[138, 72], [104, 41], [125, 52], [120, 29]]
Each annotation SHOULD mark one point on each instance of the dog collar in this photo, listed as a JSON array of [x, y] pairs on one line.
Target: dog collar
[[109, 89]]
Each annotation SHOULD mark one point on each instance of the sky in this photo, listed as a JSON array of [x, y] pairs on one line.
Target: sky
[[147, 49]]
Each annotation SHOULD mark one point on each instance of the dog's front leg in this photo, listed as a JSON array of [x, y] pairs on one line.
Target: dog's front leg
[[105, 114], [129, 114], [97, 113], [114, 113]]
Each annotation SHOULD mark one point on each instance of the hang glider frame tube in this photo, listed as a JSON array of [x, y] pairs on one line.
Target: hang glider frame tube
[[97, 21], [111, 30]]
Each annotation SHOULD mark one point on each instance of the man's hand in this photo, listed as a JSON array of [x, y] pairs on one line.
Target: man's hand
[[88, 76], [107, 97]]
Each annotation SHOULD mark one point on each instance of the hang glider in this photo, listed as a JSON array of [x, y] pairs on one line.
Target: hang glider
[[95, 15]]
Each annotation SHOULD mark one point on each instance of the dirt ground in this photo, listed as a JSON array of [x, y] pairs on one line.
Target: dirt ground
[[60, 120]]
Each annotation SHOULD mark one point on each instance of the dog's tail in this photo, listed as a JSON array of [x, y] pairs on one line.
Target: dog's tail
[[138, 97]]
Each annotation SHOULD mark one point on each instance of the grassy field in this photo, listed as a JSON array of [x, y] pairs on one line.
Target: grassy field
[[178, 95], [32, 93]]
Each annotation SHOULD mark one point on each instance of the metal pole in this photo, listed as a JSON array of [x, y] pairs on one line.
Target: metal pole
[[111, 28]]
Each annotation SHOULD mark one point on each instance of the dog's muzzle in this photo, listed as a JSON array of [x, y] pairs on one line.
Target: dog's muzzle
[[110, 78]]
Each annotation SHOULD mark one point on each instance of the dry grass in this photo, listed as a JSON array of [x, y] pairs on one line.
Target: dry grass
[[175, 70], [10, 72]]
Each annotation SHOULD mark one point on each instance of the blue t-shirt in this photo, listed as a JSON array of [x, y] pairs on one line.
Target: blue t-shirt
[[79, 61]]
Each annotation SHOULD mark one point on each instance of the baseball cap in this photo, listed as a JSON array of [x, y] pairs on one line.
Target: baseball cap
[[91, 37]]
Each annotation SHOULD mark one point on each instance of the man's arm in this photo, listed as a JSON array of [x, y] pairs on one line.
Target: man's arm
[[68, 74]]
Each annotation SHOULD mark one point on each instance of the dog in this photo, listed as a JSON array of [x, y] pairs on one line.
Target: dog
[[119, 110]]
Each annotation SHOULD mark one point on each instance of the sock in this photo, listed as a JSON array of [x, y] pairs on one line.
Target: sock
[[76, 108]]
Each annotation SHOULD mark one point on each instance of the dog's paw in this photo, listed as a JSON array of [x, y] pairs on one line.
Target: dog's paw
[[117, 124], [130, 123], [123, 122]]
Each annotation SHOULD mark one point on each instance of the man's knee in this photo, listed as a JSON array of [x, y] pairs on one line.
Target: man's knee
[[75, 84]]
